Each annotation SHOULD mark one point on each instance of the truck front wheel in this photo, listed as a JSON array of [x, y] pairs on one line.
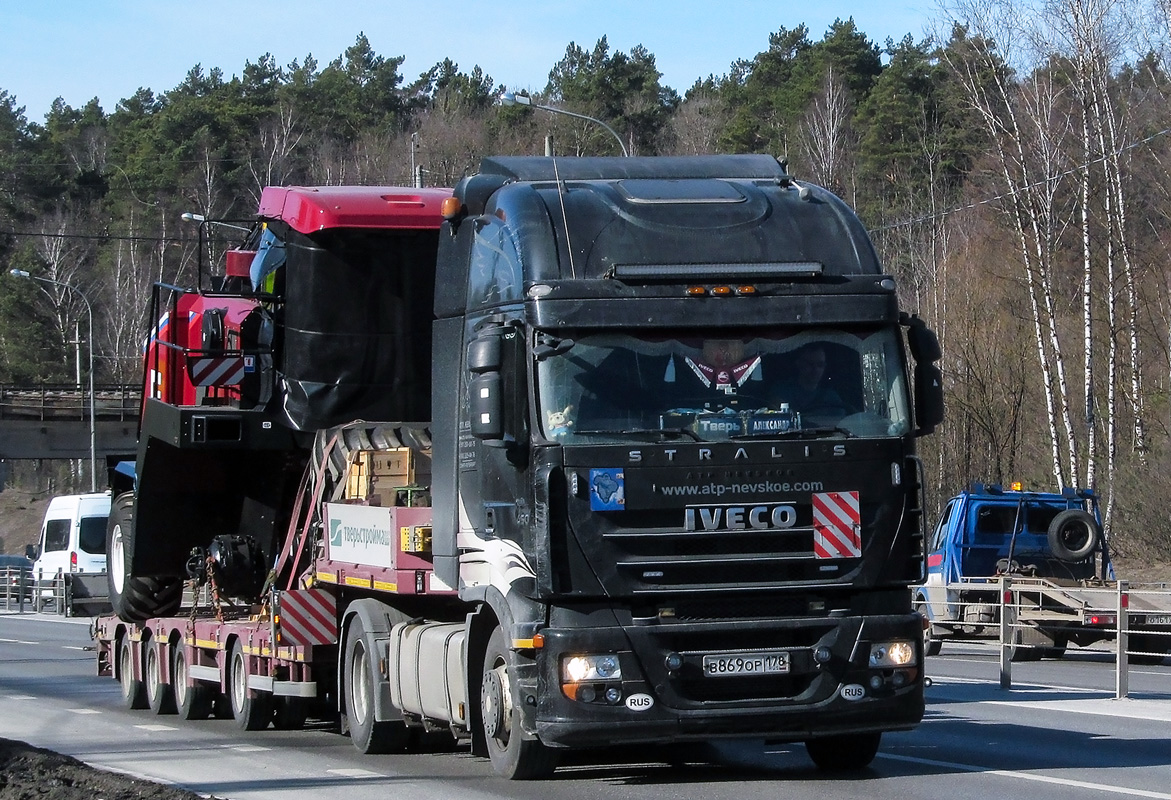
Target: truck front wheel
[[848, 752], [134, 599], [513, 756]]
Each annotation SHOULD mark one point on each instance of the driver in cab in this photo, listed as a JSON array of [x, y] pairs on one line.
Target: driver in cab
[[720, 371]]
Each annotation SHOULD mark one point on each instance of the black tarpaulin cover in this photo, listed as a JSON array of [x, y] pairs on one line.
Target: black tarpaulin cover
[[354, 333]]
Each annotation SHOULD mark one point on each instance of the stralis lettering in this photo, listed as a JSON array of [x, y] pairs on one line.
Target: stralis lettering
[[738, 518]]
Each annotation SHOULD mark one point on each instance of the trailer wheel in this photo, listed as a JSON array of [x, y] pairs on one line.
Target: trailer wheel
[[512, 756], [1073, 534], [251, 709], [134, 599], [158, 694], [845, 752], [194, 701], [289, 713], [367, 734], [133, 690]]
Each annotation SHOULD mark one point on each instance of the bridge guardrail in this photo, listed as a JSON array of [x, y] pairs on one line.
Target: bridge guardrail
[[62, 402]]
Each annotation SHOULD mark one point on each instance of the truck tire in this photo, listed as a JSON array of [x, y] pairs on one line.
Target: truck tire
[[193, 702], [1029, 644], [133, 690], [367, 734], [289, 713], [931, 643], [1154, 648], [251, 709], [513, 757], [134, 599], [848, 752], [1073, 535], [159, 696]]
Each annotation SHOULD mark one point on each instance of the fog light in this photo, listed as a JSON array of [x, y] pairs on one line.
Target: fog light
[[607, 666], [613, 694], [899, 679], [673, 662], [822, 655], [587, 694], [876, 682]]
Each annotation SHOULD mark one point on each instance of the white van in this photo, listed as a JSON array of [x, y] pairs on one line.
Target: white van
[[73, 536]]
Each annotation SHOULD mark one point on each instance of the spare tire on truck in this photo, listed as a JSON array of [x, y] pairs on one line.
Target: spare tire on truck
[[134, 599], [1073, 535]]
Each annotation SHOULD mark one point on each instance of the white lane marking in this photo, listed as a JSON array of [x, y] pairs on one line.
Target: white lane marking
[[83, 711], [19, 697], [1125, 708], [354, 773], [17, 641], [245, 748], [75, 647], [156, 727], [1027, 776]]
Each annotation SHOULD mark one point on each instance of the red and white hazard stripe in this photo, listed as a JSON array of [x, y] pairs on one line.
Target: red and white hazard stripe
[[308, 616], [837, 523], [221, 371]]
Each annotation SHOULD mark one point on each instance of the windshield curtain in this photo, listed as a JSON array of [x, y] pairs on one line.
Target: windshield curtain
[[609, 387]]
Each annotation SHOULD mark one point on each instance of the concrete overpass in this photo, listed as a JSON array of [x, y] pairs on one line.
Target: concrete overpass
[[52, 421]]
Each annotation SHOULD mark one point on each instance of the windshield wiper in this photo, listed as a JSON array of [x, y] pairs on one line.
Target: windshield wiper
[[794, 433], [671, 433]]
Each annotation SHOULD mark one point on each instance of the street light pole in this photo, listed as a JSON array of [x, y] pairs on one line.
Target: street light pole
[[89, 312], [511, 99]]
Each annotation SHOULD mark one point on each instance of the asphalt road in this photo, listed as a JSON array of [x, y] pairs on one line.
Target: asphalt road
[[1056, 734]]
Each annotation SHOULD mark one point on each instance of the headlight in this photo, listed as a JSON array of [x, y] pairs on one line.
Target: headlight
[[892, 654], [591, 668]]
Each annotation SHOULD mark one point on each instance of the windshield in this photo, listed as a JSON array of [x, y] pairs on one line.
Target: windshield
[[603, 387]]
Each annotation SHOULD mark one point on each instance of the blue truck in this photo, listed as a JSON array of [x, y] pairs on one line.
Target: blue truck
[[1052, 547]]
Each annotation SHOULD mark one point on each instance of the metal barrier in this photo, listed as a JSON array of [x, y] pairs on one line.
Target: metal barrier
[[1135, 620]]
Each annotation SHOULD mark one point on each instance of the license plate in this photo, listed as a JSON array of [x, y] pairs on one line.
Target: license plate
[[1159, 619], [726, 665]]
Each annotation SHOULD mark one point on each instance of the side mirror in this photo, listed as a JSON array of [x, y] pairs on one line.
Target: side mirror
[[30, 551], [928, 398]]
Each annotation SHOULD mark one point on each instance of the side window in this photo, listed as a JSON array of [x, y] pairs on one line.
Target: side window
[[93, 535], [57, 534], [494, 274], [937, 539]]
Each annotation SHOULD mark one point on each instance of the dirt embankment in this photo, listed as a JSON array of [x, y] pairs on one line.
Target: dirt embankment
[[20, 518], [31, 773]]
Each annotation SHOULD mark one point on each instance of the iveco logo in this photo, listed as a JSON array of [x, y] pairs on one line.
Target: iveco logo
[[738, 518]]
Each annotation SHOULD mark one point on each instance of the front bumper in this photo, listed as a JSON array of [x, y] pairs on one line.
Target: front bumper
[[817, 697]]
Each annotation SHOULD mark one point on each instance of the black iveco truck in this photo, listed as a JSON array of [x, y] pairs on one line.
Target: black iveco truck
[[647, 474]]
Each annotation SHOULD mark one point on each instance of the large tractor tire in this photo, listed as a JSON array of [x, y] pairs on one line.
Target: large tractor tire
[[140, 598]]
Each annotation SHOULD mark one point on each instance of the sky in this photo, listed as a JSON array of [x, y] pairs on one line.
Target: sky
[[81, 49]]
